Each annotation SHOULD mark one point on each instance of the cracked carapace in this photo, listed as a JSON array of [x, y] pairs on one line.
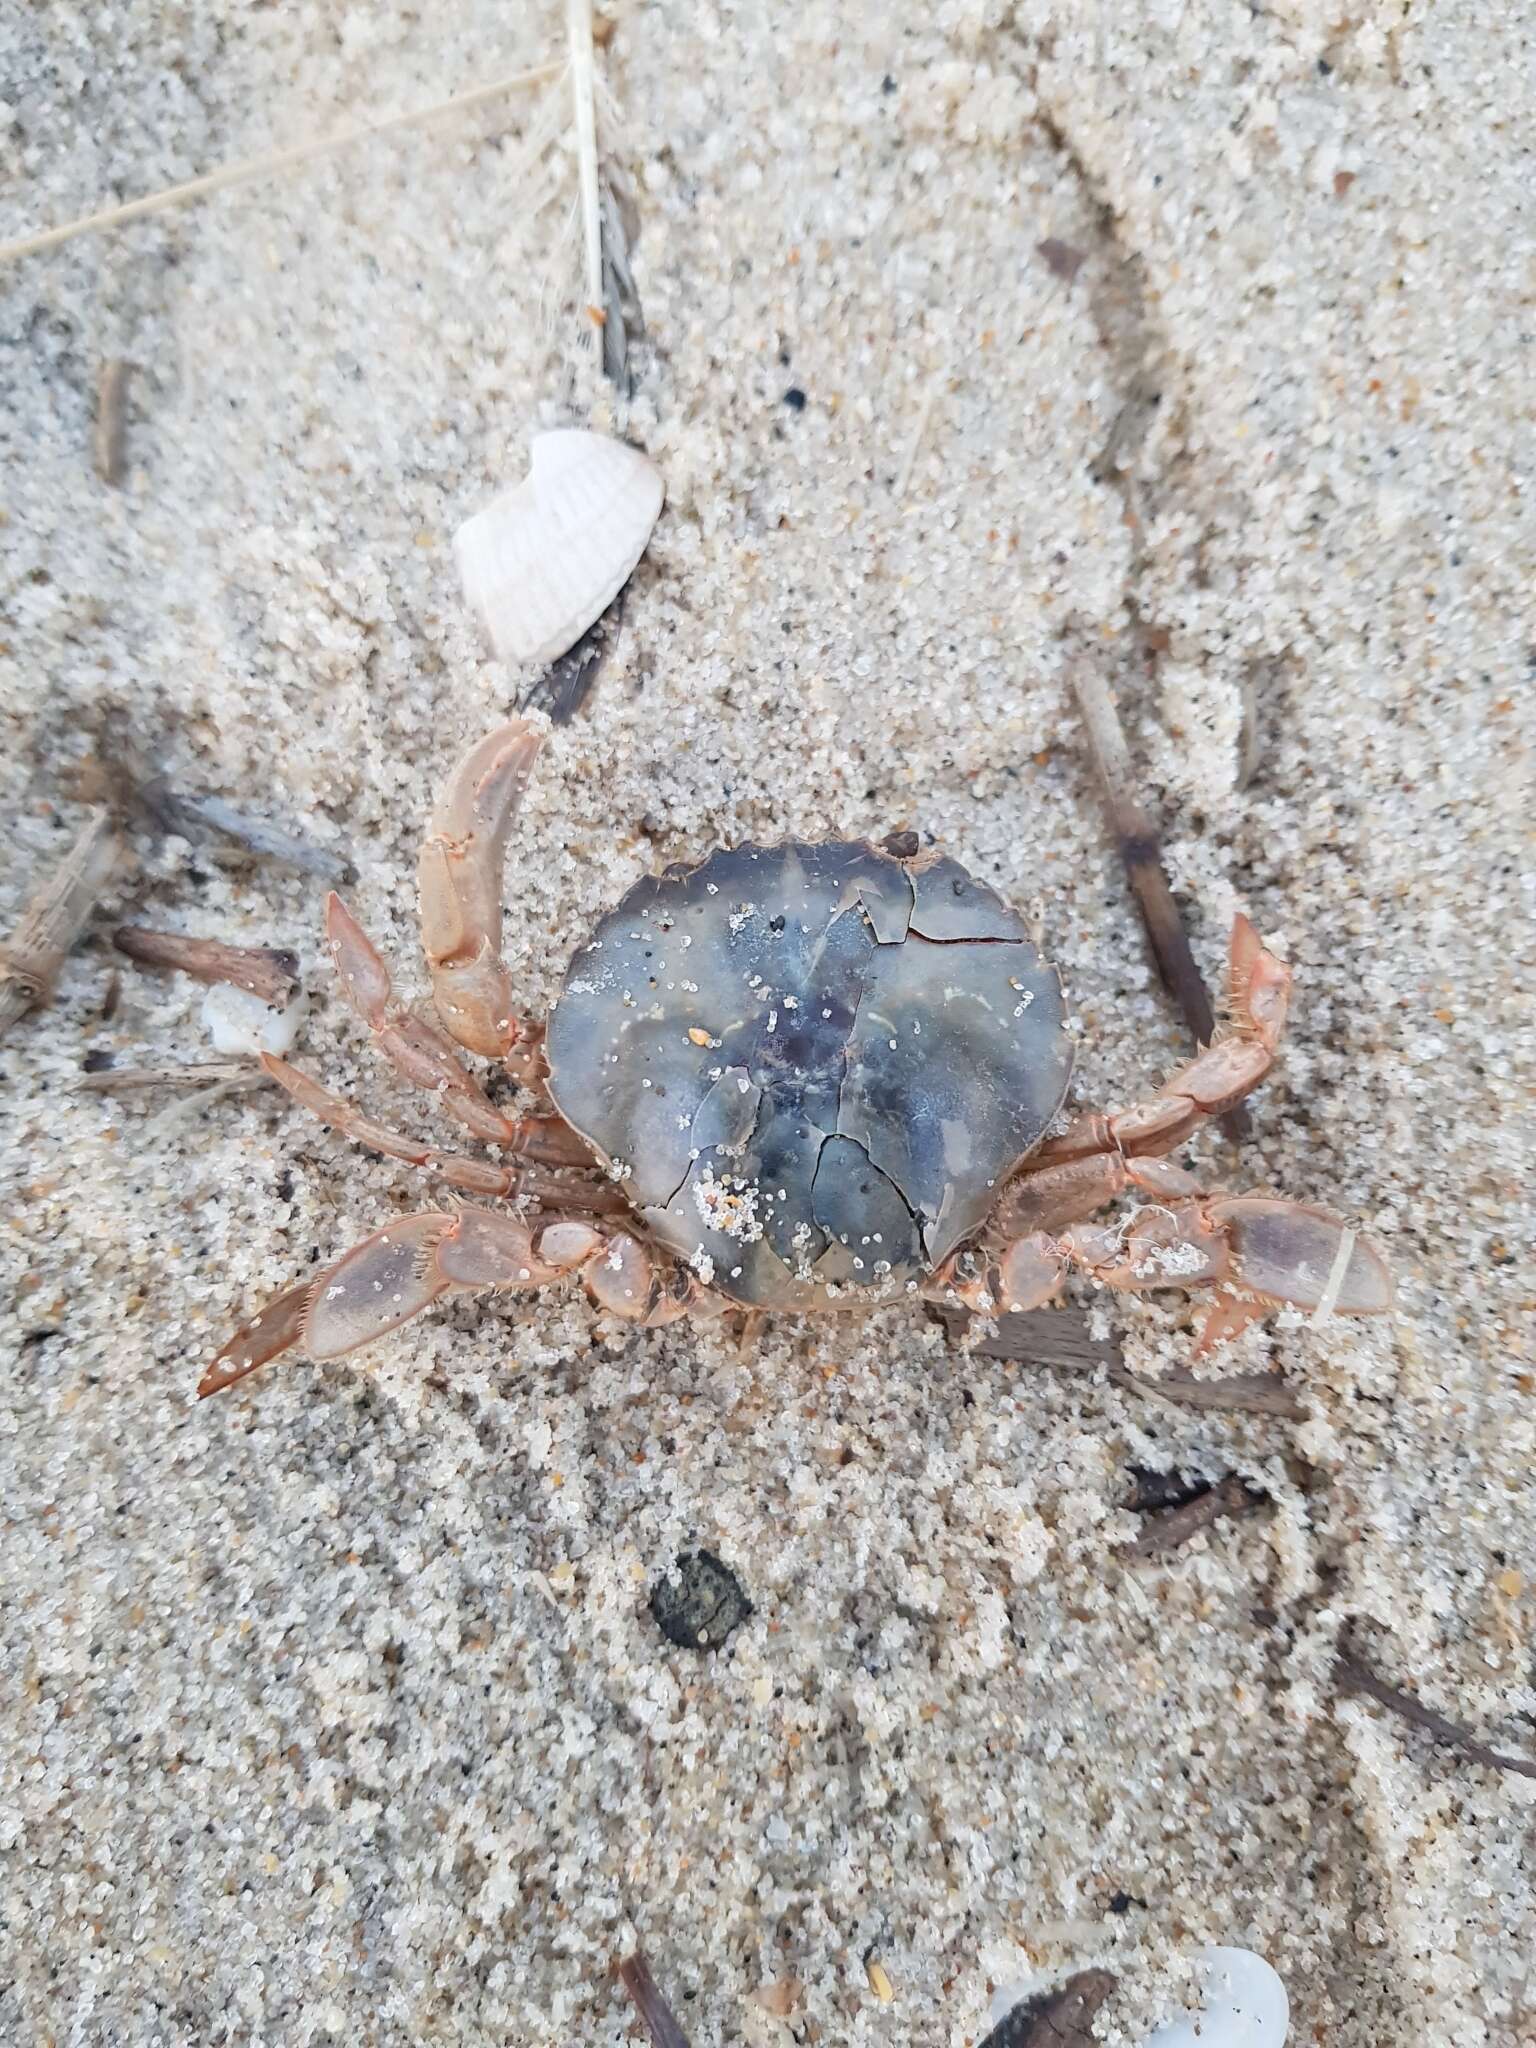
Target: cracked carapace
[[807, 1076]]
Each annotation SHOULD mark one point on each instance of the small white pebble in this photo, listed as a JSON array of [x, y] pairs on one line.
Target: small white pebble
[[238, 1022]]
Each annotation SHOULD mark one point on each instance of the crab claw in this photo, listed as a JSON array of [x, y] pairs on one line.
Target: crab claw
[[461, 890]]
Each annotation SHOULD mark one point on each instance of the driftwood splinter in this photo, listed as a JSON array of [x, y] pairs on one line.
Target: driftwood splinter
[[1140, 848], [269, 972], [660, 2020], [54, 918], [1355, 1676]]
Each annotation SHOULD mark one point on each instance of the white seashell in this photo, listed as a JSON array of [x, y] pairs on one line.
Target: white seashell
[[239, 1022], [548, 557], [1243, 2005]]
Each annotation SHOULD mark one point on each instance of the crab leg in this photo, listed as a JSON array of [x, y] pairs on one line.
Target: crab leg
[[1020, 1265], [1259, 1253], [413, 1047], [412, 1262], [461, 887], [1258, 992], [547, 1140]]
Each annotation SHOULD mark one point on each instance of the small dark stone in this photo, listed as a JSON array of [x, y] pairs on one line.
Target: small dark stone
[[1122, 1902], [1060, 258], [1055, 2019], [794, 398], [97, 1062], [1158, 1490], [285, 1185], [887, 85], [901, 845], [698, 1609]]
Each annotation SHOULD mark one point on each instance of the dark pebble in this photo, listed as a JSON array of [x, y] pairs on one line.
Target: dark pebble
[[794, 398], [1158, 1490], [698, 1609]]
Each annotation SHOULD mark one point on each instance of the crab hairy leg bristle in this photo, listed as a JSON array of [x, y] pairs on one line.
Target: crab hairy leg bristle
[[461, 891], [414, 1048]]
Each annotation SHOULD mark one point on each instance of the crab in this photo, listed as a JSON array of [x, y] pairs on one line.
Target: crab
[[794, 1077]]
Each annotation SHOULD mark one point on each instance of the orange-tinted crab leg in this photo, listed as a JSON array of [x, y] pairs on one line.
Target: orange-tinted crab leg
[[413, 1047], [546, 1140], [411, 1263], [1258, 992], [1258, 1252], [461, 891]]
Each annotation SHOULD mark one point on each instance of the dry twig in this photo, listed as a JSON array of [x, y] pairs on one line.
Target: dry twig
[[661, 2021], [1136, 837], [1169, 1527], [107, 436], [54, 918], [194, 817], [1355, 1676], [239, 1074], [1059, 1338], [578, 20], [268, 164], [269, 972]]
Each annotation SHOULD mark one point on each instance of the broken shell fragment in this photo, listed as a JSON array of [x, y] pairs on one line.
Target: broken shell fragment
[[1242, 2005], [545, 560], [238, 1022]]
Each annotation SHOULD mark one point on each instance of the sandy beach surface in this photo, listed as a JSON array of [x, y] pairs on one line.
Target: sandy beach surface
[[334, 1709]]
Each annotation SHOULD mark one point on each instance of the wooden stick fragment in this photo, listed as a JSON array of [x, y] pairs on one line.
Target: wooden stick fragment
[[660, 2020], [1056, 2019], [1355, 1676], [54, 918], [578, 20], [1136, 837], [107, 435], [194, 817], [267, 165], [269, 972], [1058, 1338], [1169, 1527], [186, 1074]]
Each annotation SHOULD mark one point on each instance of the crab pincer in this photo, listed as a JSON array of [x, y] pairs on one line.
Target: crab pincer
[[462, 859]]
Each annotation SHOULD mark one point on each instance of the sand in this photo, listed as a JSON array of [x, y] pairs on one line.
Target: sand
[[333, 1708]]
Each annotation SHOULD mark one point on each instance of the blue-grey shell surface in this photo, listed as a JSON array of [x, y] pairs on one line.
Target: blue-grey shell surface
[[812, 1065]]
